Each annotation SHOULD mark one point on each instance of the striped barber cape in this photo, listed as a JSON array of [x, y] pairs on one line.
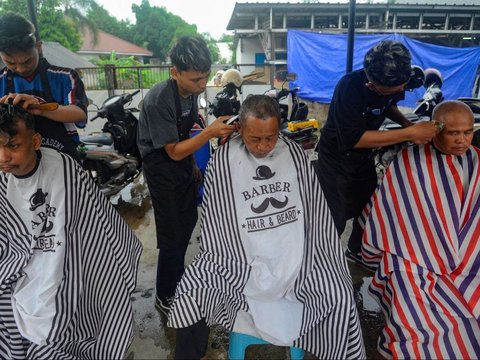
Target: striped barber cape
[[214, 286], [424, 232], [68, 265]]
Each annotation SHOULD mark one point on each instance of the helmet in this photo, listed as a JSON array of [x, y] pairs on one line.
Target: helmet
[[217, 79], [433, 76], [232, 76], [417, 78]]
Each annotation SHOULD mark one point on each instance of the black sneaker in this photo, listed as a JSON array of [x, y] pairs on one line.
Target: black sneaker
[[163, 304], [357, 259]]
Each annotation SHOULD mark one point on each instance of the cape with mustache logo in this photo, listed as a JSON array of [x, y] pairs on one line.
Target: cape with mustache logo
[[68, 266], [253, 207]]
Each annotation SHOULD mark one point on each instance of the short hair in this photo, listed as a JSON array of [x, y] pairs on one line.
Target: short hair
[[191, 53], [259, 106], [11, 116], [17, 34], [446, 106], [388, 63]]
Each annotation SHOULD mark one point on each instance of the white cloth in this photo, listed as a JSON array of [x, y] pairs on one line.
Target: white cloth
[[33, 300], [272, 233]]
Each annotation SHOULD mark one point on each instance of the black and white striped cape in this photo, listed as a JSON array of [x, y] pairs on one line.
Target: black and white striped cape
[[212, 287], [94, 316]]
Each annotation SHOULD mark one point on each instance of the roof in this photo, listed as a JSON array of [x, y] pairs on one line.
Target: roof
[[242, 10], [56, 54], [108, 43], [59, 55]]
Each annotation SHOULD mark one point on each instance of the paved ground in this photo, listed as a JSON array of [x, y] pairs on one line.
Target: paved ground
[[153, 340]]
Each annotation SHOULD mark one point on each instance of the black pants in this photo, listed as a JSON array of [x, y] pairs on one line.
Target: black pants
[[172, 190], [192, 341], [348, 181]]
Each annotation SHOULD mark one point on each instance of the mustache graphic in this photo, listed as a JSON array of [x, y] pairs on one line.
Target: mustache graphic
[[264, 205]]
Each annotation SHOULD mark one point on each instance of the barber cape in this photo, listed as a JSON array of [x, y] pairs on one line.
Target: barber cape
[[424, 231], [270, 262], [68, 266]]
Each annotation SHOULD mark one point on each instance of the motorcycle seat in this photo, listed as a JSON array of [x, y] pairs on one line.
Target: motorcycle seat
[[97, 138]]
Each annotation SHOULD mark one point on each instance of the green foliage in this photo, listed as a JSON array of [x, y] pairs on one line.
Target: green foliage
[[104, 21], [212, 46], [158, 28], [129, 72], [52, 24]]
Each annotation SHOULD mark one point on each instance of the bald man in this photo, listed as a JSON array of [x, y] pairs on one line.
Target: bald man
[[423, 232]]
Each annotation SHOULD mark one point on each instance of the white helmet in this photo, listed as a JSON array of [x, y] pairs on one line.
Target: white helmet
[[232, 76]]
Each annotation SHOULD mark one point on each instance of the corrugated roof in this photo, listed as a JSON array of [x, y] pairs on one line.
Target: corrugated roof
[[59, 55], [108, 43], [56, 54]]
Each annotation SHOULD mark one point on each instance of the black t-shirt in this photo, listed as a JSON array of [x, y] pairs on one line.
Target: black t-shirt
[[158, 122], [355, 109]]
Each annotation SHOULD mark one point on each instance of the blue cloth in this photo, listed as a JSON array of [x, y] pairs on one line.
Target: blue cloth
[[317, 78]]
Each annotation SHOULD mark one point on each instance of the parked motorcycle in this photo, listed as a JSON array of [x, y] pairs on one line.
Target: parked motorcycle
[[111, 156], [294, 123], [226, 101]]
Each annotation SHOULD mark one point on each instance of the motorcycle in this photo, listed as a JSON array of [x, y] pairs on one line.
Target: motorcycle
[[296, 126], [111, 157]]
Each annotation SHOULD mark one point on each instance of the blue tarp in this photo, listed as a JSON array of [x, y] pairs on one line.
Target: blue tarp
[[319, 60]]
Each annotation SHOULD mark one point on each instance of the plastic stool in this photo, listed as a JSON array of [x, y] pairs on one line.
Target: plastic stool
[[239, 343]]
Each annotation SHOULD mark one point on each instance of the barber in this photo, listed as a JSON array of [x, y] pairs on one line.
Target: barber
[[361, 102]]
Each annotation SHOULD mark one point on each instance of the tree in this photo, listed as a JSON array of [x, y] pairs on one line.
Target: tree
[[108, 23], [212, 46], [53, 26], [156, 28], [74, 10]]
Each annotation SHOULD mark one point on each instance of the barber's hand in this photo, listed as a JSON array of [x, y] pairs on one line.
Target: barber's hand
[[219, 129], [24, 100], [423, 132]]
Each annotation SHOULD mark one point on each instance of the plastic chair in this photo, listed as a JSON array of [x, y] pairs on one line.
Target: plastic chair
[[239, 343]]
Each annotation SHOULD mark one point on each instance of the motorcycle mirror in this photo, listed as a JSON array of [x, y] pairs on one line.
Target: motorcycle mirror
[[291, 77], [202, 103], [417, 78]]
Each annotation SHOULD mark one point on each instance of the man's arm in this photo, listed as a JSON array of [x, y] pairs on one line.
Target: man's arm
[[396, 115], [182, 149], [420, 133], [64, 113]]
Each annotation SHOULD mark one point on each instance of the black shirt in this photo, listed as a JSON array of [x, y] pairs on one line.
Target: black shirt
[[355, 109]]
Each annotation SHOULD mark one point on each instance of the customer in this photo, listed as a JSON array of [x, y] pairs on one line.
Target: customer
[[271, 264], [68, 262], [423, 233]]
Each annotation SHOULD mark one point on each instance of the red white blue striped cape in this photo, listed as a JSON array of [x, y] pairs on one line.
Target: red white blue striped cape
[[94, 315], [212, 286], [424, 232]]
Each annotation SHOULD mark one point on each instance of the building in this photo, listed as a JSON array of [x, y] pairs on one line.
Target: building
[[108, 43], [261, 28]]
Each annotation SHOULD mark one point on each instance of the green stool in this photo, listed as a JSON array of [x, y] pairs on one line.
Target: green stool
[[240, 342]]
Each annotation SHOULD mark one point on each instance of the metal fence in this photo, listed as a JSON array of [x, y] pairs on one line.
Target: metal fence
[[112, 77]]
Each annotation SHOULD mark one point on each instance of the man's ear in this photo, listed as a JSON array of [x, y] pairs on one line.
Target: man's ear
[[37, 140], [174, 72]]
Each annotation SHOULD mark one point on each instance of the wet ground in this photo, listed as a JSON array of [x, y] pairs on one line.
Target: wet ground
[[154, 340]]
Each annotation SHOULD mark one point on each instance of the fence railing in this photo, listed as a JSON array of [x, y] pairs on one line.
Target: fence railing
[[112, 77]]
